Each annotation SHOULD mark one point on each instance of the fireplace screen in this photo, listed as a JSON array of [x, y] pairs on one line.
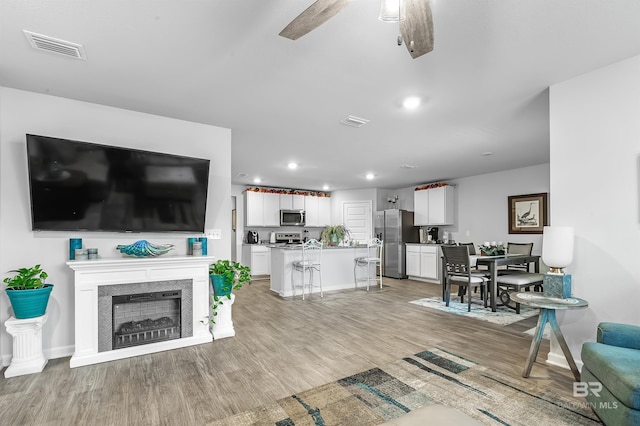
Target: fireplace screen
[[140, 319]]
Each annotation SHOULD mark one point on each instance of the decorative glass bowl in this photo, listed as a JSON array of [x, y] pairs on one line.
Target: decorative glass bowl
[[144, 248]]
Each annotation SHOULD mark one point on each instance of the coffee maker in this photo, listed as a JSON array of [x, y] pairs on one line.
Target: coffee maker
[[432, 234]]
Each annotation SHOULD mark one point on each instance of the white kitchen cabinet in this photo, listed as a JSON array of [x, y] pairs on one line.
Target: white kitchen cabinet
[[262, 209], [324, 211], [421, 207], [413, 260], [258, 258], [311, 210], [434, 206], [292, 202], [429, 261], [423, 261], [318, 210]]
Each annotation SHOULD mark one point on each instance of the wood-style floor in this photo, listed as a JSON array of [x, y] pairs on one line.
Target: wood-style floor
[[281, 347]]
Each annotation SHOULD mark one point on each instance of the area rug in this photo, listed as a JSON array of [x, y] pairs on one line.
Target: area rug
[[432, 376], [502, 316]]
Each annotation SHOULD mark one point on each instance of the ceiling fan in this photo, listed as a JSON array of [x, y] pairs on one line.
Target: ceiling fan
[[416, 22]]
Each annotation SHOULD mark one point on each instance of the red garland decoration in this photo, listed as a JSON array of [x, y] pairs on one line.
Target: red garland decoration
[[431, 186]]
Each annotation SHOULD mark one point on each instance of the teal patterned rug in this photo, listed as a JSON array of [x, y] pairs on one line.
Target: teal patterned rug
[[502, 316], [432, 376]]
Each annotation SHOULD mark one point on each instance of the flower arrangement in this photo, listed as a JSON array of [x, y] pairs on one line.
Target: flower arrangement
[[492, 248]]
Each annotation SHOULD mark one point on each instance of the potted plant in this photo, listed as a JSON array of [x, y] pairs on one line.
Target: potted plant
[[27, 292], [226, 276], [333, 235]]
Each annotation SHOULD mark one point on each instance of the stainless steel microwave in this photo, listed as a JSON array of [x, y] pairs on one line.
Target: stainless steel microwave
[[292, 218]]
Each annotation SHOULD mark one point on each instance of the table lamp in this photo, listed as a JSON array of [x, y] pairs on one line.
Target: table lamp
[[557, 253]]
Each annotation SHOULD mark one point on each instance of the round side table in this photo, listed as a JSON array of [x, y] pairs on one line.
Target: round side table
[[548, 307]]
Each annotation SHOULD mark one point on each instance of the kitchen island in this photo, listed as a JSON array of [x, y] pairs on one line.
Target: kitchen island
[[337, 268]]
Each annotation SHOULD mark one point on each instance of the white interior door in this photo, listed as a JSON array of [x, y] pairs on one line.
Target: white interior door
[[357, 217]]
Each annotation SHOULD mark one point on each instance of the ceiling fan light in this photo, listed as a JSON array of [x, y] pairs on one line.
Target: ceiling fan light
[[391, 10]]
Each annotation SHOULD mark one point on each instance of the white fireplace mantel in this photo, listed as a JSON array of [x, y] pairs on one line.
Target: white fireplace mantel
[[91, 274]]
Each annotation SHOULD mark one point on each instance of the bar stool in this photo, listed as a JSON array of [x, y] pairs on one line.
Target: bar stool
[[311, 261], [373, 258]]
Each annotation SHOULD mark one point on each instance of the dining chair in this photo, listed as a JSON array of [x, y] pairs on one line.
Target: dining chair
[[458, 271], [311, 261], [372, 259], [517, 281], [518, 248]]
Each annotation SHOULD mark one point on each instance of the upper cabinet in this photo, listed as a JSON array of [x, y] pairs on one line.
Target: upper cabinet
[[261, 209], [262, 206], [318, 210], [292, 202], [434, 205]]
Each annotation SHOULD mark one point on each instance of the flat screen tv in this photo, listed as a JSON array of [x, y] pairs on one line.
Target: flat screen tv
[[82, 186]]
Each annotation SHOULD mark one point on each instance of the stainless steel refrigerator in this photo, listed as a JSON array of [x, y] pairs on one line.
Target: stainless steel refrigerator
[[395, 228]]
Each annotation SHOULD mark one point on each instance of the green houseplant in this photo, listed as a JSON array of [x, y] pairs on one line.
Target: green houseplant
[[332, 235], [27, 292], [226, 276]]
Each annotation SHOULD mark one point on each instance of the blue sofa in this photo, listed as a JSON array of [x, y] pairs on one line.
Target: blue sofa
[[613, 361]]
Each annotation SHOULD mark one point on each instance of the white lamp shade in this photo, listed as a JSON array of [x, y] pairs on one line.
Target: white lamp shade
[[557, 246]]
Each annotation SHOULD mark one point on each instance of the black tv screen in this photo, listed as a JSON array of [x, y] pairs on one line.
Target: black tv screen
[[82, 186]]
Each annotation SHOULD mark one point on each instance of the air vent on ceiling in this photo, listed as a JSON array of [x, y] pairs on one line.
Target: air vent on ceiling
[[54, 45], [354, 121]]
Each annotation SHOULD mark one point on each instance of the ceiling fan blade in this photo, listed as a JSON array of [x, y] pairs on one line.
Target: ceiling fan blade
[[314, 16], [417, 27]]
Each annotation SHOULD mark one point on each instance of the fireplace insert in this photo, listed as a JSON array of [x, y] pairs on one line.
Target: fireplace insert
[[143, 318]]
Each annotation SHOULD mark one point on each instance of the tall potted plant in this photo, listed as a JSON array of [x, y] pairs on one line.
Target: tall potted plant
[[226, 276], [27, 292]]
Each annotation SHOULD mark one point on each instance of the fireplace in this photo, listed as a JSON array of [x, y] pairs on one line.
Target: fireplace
[[167, 278], [143, 318]]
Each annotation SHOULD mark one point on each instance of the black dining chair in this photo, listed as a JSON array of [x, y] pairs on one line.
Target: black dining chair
[[457, 270]]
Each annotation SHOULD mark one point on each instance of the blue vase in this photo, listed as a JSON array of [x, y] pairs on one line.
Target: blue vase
[[221, 287], [30, 303]]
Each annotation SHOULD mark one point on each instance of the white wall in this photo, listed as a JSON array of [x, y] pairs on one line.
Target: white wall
[[482, 205], [25, 112], [595, 177]]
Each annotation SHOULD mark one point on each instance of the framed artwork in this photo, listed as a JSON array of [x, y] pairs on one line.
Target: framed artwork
[[527, 213]]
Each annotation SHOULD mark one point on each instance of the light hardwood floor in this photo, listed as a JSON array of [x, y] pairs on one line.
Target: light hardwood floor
[[281, 347]]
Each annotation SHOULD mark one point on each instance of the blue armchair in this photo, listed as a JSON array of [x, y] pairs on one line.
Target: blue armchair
[[614, 361]]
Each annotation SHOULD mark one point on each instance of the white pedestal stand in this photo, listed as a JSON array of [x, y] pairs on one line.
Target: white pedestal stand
[[27, 346], [224, 323]]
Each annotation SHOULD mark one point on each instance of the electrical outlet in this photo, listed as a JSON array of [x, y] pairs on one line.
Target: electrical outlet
[[214, 234]]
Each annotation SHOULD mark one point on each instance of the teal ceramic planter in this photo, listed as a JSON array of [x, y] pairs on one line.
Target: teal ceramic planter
[[30, 303], [220, 286]]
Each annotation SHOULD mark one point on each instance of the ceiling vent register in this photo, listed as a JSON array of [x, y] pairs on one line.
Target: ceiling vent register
[[354, 121], [54, 45]]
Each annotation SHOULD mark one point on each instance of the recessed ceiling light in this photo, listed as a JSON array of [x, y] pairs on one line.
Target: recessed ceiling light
[[325, 187], [411, 102], [487, 153], [292, 166], [370, 176], [257, 180]]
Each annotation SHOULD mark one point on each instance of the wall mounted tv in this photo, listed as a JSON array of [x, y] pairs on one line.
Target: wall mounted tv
[[82, 186]]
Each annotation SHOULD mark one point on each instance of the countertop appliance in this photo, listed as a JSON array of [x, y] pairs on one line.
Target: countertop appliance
[[272, 238], [252, 237], [432, 234], [395, 228], [292, 218]]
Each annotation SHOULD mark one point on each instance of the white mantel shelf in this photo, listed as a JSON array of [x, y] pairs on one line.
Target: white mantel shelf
[[90, 274]]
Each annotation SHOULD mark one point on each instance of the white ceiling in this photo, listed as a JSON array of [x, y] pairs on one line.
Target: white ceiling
[[221, 62]]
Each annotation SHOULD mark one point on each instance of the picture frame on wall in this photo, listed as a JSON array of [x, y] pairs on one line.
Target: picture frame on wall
[[527, 213]]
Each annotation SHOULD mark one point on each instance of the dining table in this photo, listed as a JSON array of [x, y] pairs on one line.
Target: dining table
[[494, 262]]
